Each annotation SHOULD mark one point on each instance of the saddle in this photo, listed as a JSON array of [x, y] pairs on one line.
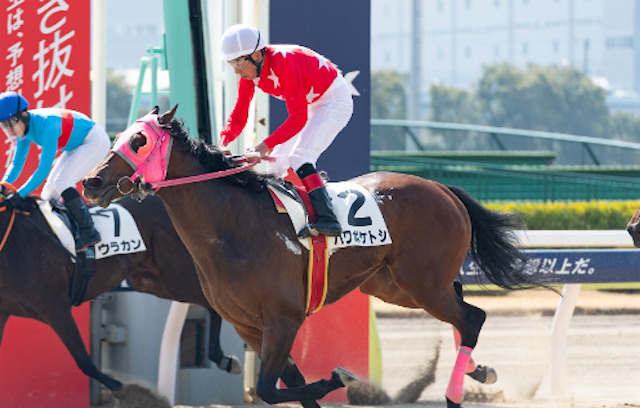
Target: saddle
[[318, 251]]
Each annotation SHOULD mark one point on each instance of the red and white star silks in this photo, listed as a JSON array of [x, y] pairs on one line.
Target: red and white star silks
[[293, 73]]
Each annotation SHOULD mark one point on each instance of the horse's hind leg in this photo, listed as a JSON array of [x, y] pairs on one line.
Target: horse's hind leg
[[61, 321], [444, 303], [469, 330], [481, 373], [229, 364]]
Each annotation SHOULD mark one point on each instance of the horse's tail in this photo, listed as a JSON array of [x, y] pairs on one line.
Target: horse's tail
[[493, 245]]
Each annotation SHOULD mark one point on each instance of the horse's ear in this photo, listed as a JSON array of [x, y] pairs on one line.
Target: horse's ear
[[167, 116], [155, 110]]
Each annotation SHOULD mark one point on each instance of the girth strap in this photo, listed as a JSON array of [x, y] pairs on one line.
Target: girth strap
[[85, 267]]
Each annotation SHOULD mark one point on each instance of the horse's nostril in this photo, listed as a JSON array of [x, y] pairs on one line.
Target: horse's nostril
[[92, 181]]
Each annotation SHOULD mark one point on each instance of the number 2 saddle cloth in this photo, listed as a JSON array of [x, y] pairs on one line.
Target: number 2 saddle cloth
[[360, 218]]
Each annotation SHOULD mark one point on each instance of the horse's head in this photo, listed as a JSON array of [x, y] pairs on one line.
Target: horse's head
[[140, 152], [633, 228]]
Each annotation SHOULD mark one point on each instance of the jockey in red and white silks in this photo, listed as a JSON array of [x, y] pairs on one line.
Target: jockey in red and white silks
[[318, 102]]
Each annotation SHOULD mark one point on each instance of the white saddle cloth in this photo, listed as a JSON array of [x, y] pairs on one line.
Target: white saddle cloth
[[356, 210]]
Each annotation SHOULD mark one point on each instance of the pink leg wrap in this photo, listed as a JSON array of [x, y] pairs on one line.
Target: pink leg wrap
[[455, 389], [471, 366]]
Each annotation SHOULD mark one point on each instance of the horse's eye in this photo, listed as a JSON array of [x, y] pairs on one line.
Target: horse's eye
[[137, 141]]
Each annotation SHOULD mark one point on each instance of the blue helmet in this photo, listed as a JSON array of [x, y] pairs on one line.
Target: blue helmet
[[11, 103]]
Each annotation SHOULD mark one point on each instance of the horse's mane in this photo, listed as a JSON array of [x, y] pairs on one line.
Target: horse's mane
[[213, 159]]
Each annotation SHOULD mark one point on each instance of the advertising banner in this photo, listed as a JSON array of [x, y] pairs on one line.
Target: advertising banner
[[46, 58], [45, 48]]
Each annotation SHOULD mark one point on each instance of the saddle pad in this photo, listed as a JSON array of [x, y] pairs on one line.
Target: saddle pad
[[57, 226], [356, 210], [118, 230]]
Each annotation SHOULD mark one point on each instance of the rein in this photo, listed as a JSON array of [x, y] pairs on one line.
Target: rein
[[199, 177], [8, 231]]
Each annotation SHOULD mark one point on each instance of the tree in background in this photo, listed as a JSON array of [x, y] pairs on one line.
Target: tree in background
[[552, 99], [624, 126], [454, 105], [388, 101], [119, 96]]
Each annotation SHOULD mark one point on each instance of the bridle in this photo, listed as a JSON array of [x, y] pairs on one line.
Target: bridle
[[159, 134]]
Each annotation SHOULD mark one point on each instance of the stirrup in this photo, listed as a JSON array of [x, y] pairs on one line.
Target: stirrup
[[328, 228], [86, 246], [90, 241], [307, 232]]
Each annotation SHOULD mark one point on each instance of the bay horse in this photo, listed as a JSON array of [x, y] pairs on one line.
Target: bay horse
[[36, 274], [253, 269]]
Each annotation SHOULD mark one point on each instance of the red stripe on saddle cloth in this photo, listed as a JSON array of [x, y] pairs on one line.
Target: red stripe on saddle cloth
[[278, 203], [66, 128], [318, 261], [317, 274]]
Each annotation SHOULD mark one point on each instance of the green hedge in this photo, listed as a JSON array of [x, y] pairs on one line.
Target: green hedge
[[591, 215]]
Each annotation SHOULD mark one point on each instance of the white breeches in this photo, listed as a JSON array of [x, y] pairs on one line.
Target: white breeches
[[71, 166], [326, 118]]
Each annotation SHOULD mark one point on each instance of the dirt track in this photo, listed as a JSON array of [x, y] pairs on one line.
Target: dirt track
[[603, 360]]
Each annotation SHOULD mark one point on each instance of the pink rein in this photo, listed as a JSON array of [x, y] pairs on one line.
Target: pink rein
[[202, 177]]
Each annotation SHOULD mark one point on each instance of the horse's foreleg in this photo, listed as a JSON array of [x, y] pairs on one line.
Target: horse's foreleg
[[61, 321], [292, 377], [277, 341], [229, 364]]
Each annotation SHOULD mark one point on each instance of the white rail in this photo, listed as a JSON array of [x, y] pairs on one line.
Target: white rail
[[566, 305]]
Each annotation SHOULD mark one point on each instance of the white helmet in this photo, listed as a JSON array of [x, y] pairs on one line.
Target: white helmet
[[239, 40]]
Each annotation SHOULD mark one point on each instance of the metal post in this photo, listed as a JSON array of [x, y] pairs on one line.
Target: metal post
[[135, 103]]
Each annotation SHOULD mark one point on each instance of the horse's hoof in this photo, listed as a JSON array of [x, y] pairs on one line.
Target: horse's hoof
[[345, 376], [230, 364], [112, 384], [484, 374], [451, 404]]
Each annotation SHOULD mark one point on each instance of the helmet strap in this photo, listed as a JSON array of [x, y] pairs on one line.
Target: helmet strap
[[256, 64], [24, 119]]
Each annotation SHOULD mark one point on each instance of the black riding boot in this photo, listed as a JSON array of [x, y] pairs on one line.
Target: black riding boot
[[326, 221], [87, 234]]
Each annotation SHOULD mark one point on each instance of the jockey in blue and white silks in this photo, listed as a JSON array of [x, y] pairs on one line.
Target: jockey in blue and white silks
[[83, 144]]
